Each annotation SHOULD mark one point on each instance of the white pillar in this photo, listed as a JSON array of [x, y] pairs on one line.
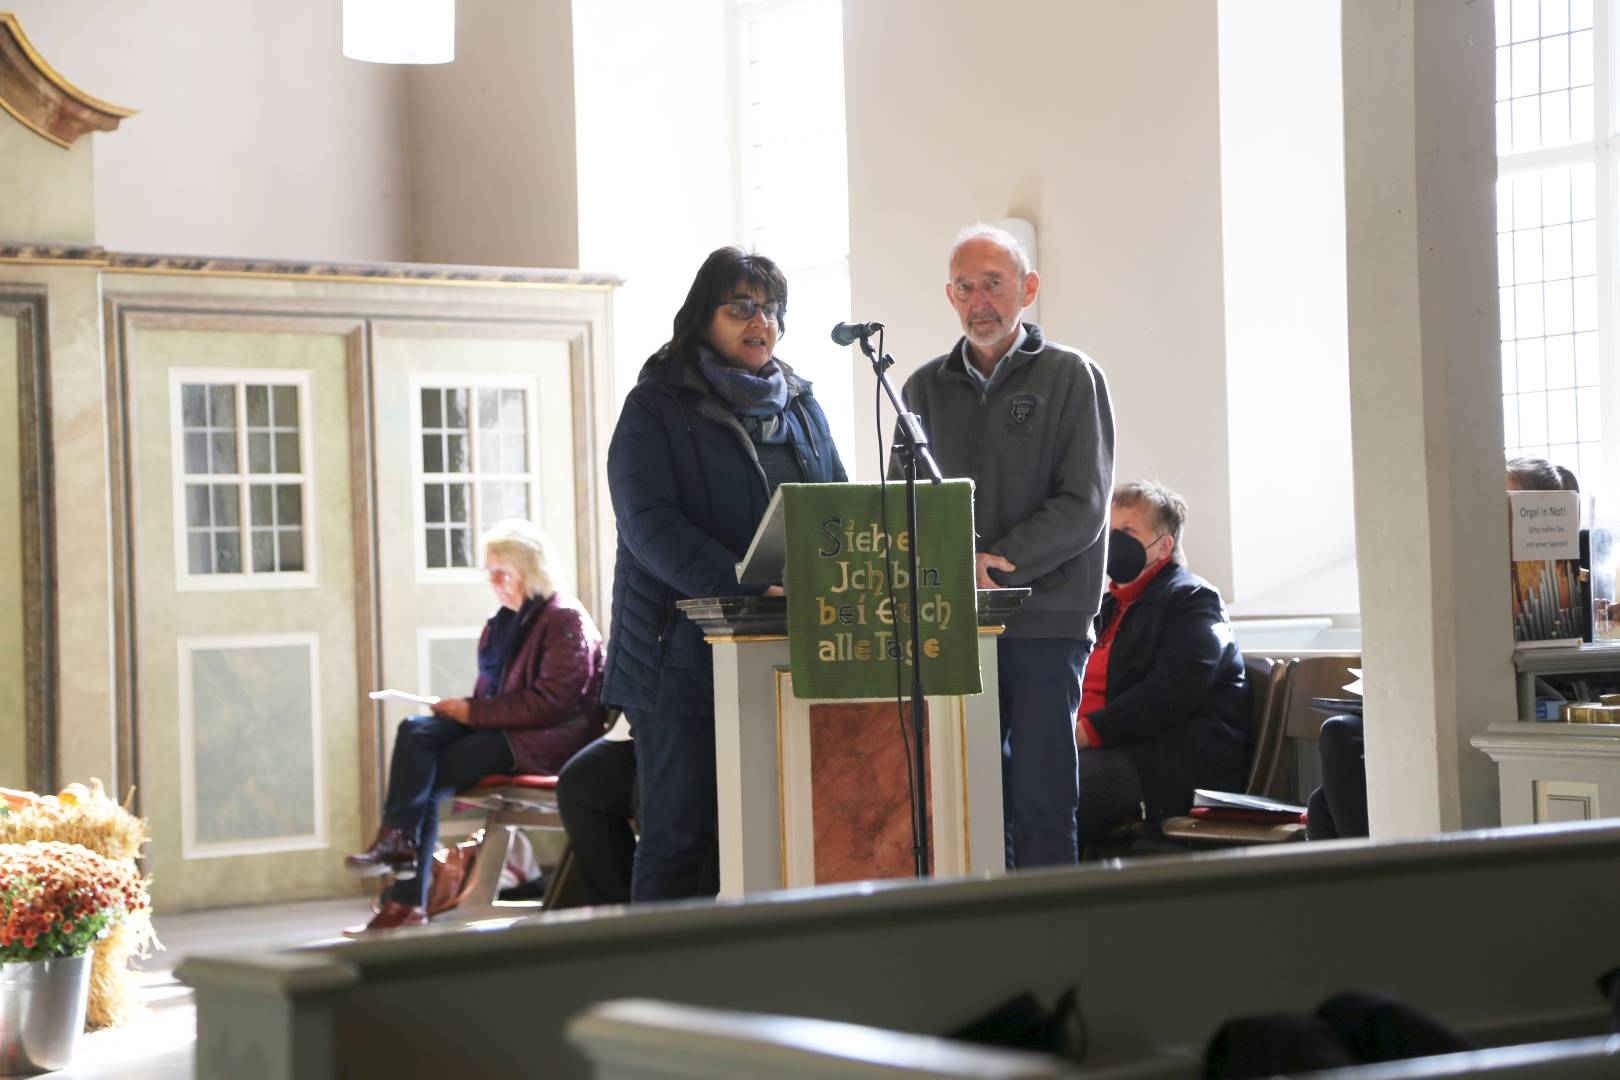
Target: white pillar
[[1425, 392]]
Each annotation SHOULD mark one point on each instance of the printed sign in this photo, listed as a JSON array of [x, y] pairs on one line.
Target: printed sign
[[1546, 524], [1548, 595], [849, 601]]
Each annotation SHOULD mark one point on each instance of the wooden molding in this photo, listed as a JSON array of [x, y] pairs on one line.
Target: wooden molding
[[41, 666], [362, 273], [41, 99]]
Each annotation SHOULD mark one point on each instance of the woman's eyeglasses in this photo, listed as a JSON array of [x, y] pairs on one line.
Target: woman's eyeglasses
[[743, 307]]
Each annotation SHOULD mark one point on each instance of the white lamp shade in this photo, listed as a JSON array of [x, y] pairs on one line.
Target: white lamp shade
[[400, 31]]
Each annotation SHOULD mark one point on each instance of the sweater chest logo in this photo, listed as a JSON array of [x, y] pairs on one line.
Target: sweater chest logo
[[1021, 408]]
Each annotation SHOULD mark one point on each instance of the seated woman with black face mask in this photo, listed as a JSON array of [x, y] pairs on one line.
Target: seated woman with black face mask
[[1162, 707]]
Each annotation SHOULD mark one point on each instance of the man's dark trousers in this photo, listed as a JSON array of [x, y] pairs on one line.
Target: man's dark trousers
[[1339, 807], [597, 798], [1040, 695]]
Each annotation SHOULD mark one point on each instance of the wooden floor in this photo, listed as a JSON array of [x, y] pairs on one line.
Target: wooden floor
[[159, 1045]]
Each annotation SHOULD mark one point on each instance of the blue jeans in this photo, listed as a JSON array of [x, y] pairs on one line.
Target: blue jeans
[[433, 759], [678, 853], [1040, 694]]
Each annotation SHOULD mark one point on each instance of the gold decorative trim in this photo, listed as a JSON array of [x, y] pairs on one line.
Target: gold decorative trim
[[967, 815], [784, 678], [42, 100]]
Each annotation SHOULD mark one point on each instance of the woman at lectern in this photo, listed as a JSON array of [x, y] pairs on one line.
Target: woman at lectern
[[713, 425]]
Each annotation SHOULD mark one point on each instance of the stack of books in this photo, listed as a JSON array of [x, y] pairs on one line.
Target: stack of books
[[1232, 806]]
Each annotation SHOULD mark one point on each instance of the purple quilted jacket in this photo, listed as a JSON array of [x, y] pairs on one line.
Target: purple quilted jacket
[[550, 699]]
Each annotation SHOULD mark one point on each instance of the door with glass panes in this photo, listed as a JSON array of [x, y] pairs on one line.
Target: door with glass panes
[[472, 427], [245, 644]]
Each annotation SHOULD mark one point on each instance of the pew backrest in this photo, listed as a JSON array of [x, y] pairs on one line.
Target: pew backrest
[[1163, 951]]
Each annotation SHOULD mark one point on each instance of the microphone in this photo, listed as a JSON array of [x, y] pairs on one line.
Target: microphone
[[849, 333]]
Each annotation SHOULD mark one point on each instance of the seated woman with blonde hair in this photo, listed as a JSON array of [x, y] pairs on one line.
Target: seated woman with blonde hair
[[537, 701]]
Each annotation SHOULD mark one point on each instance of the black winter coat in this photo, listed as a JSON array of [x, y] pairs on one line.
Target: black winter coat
[[1177, 704], [688, 493]]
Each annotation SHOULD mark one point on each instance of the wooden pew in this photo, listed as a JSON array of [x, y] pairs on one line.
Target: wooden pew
[[1497, 933], [1563, 1059], [654, 1040]]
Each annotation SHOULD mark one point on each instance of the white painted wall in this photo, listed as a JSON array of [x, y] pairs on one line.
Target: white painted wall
[[1097, 121], [492, 140], [1282, 218], [654, 150], [256, 137]]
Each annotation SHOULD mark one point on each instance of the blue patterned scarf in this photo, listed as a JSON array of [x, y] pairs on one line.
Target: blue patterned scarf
[[501, 644], [756, 398]]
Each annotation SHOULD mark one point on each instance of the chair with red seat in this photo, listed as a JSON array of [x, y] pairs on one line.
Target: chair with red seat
[[509, 803]]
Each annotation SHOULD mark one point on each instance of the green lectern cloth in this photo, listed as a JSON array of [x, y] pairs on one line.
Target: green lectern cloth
[[849, 606]]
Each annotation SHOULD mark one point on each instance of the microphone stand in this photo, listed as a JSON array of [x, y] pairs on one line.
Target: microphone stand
[[911, 446]]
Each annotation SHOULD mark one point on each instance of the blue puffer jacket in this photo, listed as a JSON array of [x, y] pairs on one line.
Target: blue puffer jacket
[[688, 493]]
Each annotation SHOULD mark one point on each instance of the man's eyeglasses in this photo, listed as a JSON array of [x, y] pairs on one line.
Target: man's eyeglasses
[[963, 288], [743, 307]]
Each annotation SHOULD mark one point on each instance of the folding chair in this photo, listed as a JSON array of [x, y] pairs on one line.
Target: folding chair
[[509, 803]]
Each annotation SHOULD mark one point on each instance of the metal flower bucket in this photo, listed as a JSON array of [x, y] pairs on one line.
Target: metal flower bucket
[[42, 1013]]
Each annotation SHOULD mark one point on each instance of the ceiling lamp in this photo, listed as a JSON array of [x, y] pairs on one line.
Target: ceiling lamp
[[400, 31]]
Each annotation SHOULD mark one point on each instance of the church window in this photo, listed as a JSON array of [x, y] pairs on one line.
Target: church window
[[475, 466], [243, 492], [1554, 174]]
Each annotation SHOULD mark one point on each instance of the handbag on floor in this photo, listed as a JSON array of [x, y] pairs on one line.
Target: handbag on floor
[[453, 873], [454, 870]]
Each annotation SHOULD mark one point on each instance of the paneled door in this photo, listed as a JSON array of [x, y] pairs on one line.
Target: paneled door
[[474, 424], [244, 616]]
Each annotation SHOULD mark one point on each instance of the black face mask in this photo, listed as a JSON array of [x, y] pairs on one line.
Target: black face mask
[[1126, 557]]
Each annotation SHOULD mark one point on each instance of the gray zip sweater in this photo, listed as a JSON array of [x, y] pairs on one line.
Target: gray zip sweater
[[1039, 446]]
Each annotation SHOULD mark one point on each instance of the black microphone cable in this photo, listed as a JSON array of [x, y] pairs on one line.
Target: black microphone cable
[[888, 579]]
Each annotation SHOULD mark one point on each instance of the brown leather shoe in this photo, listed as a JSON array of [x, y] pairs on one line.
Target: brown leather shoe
[[391, 853], [393, 916]]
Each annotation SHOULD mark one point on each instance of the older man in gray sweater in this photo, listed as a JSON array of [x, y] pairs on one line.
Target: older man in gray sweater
[[1030, 422]]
